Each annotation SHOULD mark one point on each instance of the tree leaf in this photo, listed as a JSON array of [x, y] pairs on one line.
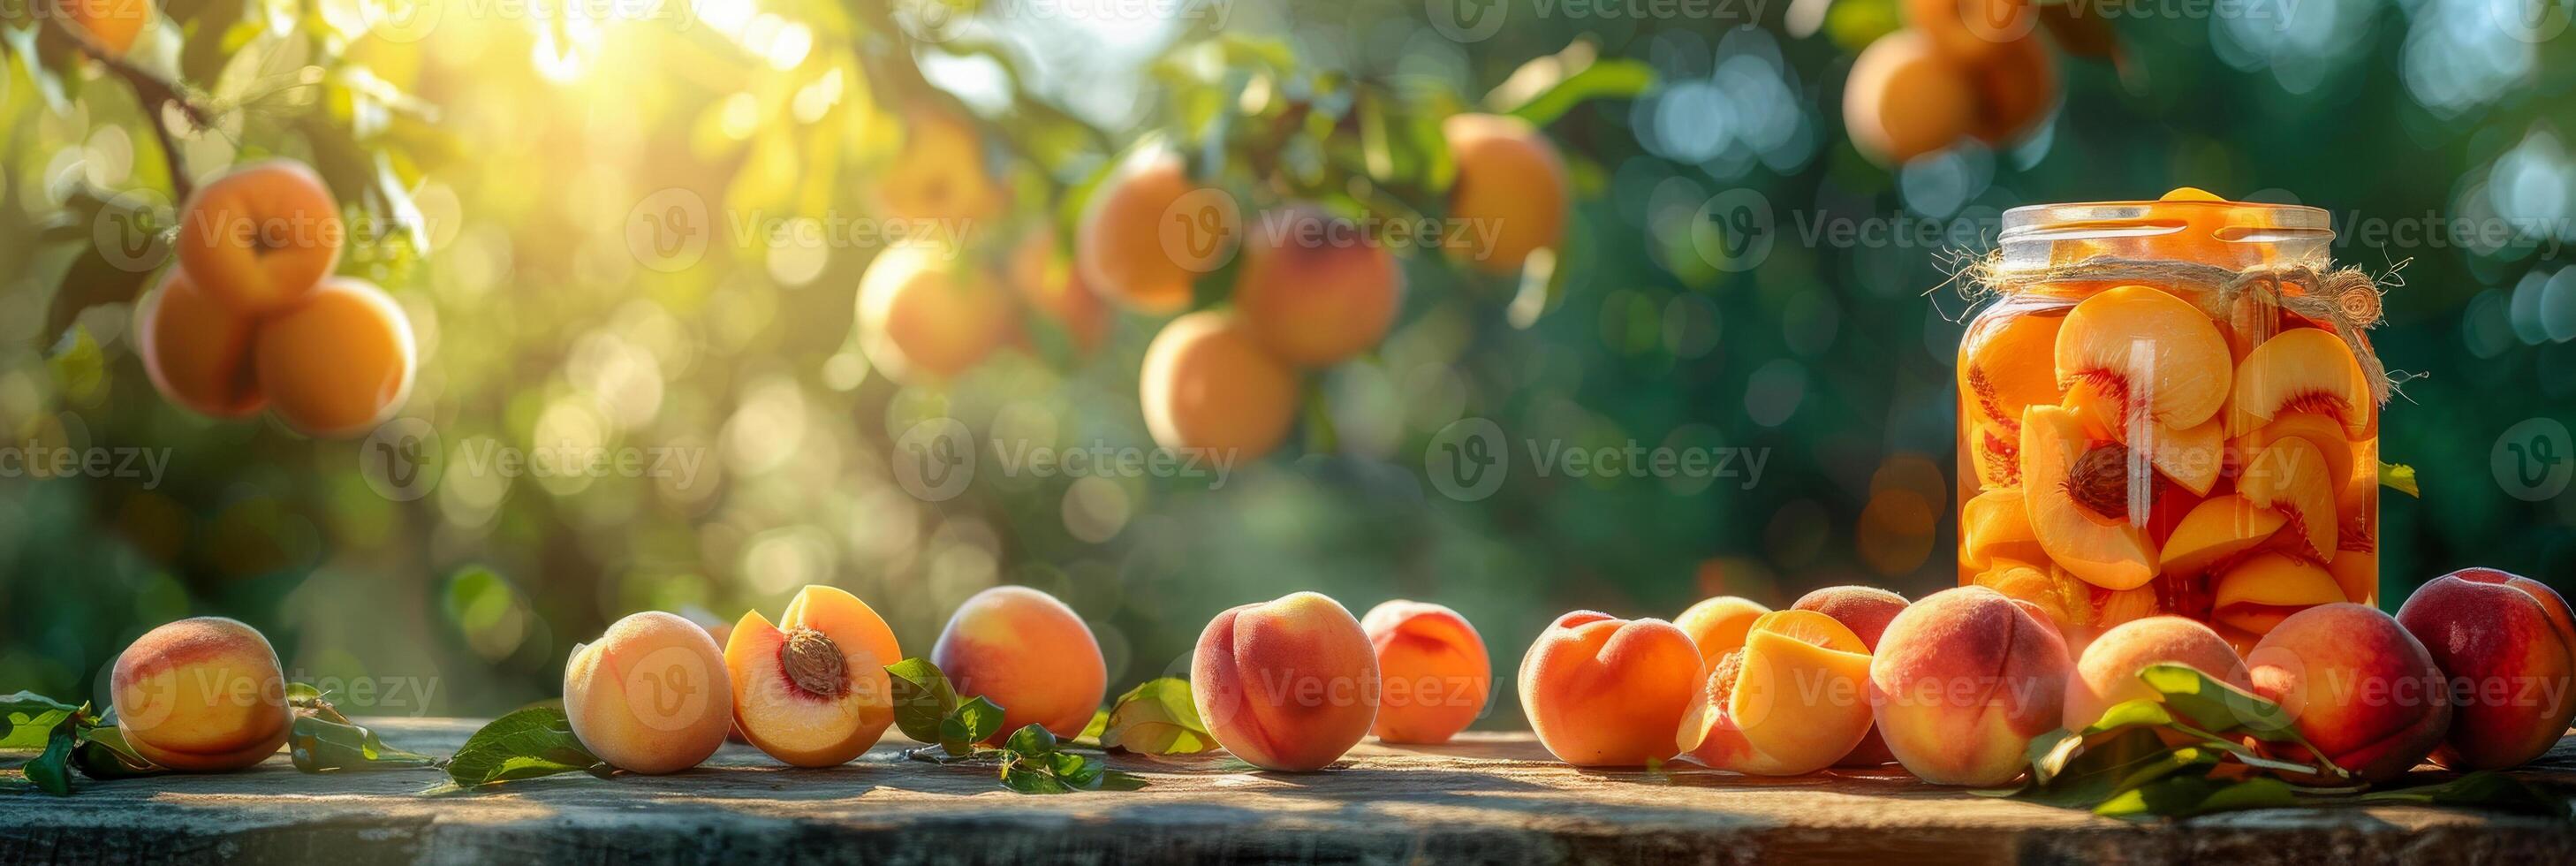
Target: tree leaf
[[1158, 717], [1027, 778], [526, 744], [1608, 79], [922, 698]]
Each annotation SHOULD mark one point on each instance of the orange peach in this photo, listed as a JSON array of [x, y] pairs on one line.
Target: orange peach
[[261, 237], [2305, 370], [1973, 29], [925, 315], [1790, 701], [1904, 98], [1288, 685], [1866, 610], [2000, 377], [2508, 645], [2107, 674], [1048, 282], [1149, 231], [650, 695], [1961, 682], [2015, 84], [1314, 288], [338, 361], [1607, 692], [197, 352], [2360, 688], [1717, 624], [812, 690], [1511, 188], [201, 694], [114, 23], [1434, 672], [939, 174], [1208, 385], [1027, 652]]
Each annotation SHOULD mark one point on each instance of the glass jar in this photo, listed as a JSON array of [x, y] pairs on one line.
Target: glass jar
[[2145, 430]]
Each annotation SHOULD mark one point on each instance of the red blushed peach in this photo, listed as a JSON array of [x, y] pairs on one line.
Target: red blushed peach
[[650, 695], [260, 237], [1961, 682], [1028, 652], [1790, 701], [1433, 671], [2107, 675], [1866, 610], [1286, 685], [1607, 692], [2362, 690], [2509, 647], [1717, 625], [812, 690], [201, 694]]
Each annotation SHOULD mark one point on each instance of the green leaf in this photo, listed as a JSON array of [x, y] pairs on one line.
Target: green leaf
[[1028, 779], [52, 770], [32, 718], [2112, 765], [1091, 733], [1158, 717], [104, 755], [526, 744], [1608, 79], [2483, 789], [922, 699], [974, 722], [320, 745], [2185, 796], [1031, 741], [2399, 477], [2218, 706]]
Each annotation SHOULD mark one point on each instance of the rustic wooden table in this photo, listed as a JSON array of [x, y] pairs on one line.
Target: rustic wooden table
[[1490, 798]]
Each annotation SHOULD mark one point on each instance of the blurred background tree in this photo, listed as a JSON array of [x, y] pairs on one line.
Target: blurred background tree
[[513, 164]]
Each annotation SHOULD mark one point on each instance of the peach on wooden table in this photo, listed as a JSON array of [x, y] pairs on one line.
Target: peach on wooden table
[[2107, 674], [811, 689], [1288, 685], [1717, 624], [2508, 647], [1434, 674], [1792, 700], [204, 693], [1866, 610], [2359, 687], [651, 695], [1961, 683], [1607, 692], [1027, 652]]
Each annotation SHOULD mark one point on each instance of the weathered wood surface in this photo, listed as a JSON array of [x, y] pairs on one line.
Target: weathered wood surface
[[1492, 798]]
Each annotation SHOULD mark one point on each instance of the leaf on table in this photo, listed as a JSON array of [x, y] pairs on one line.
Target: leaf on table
[[2485, 789], [52, 769], [526, 744], [321, 745], [1031, 741], [104, 755], [922, 698], [32, 718], [1158, 717], [975, 721], [2219, 706], [2185, 796]]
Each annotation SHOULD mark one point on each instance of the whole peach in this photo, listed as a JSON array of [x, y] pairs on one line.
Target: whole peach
[[2107, 674], [1287, 685], [1961, 682], [1433, 671], [651, 695], [2509, 647], [2360, 688], [201, 694], [1028, 652], [1718, 623], [1607, 692]]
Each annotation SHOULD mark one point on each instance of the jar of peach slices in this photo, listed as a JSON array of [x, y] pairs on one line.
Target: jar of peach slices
[[2169, 407]]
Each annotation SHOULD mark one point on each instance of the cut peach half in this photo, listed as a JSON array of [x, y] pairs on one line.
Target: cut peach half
[[2291, 477], [2219, 528], [2322, 431], [1996, 524], [2260, 592], [2164, 354], [2109, 552], [2193, 457], [2301, 370], [1996, 453], [2002, 376], [1792, 700], [812, 690]]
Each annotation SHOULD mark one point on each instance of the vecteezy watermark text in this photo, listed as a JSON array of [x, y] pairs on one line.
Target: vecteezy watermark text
[[34, 459]]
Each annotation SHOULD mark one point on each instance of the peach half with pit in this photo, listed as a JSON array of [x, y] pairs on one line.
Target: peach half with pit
[[811, 689], [2066, 511]]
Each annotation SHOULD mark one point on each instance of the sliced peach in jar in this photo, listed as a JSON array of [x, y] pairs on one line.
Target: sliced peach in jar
[[2193, 457], [2219, 528], [2060, 598], [2003, 375], [2104, 550], [1994, 524], [812, 690], [2301, 370], [2356, 572], [1792, 700], [1996, 454], [2320, 430], [2255, 595], [2163, 353], [2291, 477]]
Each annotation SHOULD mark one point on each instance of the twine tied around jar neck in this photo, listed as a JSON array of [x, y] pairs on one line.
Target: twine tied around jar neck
[[2347, 297]]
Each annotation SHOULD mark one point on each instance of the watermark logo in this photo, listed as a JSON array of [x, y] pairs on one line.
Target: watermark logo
[[928, 20], [2533, 460], [667, 690], [1735, 230], [2531, 21], [130, 232], [668, 230], [401, 21], [935, 459], [1201, 229], [1466, 20], [1468, 459], [402, 460], [35, 459]]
